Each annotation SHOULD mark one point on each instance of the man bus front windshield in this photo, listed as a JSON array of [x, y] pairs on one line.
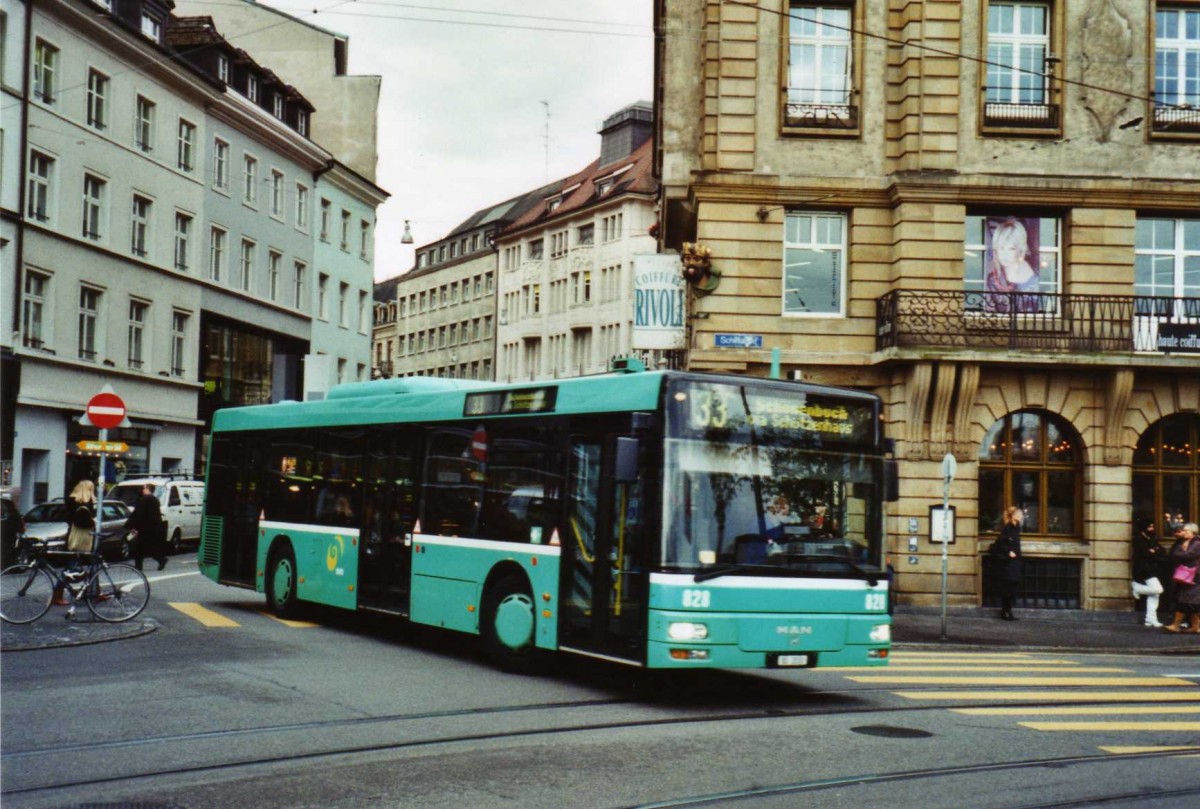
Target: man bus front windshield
[[771, 478]]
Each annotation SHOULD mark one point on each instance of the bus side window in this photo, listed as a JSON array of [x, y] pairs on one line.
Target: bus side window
[[452, 487]]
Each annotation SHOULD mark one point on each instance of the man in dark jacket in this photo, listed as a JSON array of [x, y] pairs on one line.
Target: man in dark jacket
[[150, 534]]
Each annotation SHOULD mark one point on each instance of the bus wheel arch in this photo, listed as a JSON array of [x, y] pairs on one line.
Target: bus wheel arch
[[280, 579], [508, 619]]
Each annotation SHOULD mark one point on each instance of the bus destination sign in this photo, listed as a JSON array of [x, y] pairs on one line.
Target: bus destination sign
[[712, 407], [511, 402]]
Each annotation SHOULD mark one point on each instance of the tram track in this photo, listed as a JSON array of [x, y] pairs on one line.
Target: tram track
[[314, 732]]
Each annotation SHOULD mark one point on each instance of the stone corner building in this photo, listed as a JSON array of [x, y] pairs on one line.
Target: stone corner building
[[989, 214]]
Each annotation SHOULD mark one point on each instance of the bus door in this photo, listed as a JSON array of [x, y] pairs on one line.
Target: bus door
[[385, 555], [604, 586], [234, 499]]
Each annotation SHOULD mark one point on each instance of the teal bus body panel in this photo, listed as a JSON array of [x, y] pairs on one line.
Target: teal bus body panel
[[584, 395], [326, 561], [449, 574], [748, 618]]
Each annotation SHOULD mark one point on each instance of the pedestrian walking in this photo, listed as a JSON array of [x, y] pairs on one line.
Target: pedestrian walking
[[81, 523], [1147, 559], [1006, 560], [149, 530], [1185, 554]]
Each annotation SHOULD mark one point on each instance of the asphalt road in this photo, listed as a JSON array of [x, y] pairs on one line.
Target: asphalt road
[[223, 706]]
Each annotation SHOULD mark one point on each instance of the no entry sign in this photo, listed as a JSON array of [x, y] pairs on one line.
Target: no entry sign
[[106, 410]]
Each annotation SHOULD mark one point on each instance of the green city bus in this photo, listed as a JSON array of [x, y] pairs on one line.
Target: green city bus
[[662, 519]]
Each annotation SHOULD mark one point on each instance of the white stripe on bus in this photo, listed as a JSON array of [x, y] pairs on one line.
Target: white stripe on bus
[[488, 544], [312, 529], [766, 582]]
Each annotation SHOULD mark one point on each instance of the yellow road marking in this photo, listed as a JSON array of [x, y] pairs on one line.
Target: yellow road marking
[[963, 655], [202, 614], [292, 624], [1141, 682], [1076, 726], [981, 661], [1120, 751], [1057, 696], [1005, 669], [1077, 710]]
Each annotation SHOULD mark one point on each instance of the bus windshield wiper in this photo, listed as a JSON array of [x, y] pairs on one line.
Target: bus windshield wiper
[[871, 577], [717, 572]]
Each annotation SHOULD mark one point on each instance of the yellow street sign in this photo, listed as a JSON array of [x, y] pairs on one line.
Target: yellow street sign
[[103, 446]]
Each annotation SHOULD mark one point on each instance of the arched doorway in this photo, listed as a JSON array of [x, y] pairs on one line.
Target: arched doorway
[[1166, 472]]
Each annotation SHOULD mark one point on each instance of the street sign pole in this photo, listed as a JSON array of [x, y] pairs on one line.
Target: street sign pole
[[949, 467]]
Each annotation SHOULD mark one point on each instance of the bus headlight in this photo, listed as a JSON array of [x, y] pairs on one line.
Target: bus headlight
[[881, 633], [686, 631]]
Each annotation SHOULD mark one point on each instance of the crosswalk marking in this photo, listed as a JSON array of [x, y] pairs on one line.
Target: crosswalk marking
[[292, 624], [203, 615], [1019, 669], [1055, 696], [921, 679], [1189, 727], [1076, 710]]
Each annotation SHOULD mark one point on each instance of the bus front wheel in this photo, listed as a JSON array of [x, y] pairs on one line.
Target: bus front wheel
[[281, 582], [508, 623]]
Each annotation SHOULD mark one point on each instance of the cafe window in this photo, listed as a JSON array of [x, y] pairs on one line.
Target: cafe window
[[1166, 472], [1032, 460]]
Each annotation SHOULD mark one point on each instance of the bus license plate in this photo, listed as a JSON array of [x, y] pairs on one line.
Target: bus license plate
[[784, 661]]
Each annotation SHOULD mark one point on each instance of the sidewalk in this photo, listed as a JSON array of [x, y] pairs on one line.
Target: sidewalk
[[1036, 630], [913, 628], [53, 630]]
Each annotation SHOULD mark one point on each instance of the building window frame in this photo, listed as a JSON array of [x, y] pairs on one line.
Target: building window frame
[[185, 158], [1174, 30], [1166, 472], [45, 70], [139, 320], [302, 207], [94, 192], [246, 258], [299, 271], [1015, 100], [250, 180], [277, 181], [220, 165], [40, 179], [183, 240], [139, 225], [143, 123], [36, 305], [274, 266], [98, 85], [814, 33], [811, 238], [218, 244], [89, 333], [179, 322]]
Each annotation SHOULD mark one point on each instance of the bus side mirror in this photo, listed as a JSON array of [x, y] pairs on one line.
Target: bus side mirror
[[891, 481], [626, 467]]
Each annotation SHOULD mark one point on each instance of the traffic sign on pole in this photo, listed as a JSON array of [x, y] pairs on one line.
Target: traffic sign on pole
[[105, 410]]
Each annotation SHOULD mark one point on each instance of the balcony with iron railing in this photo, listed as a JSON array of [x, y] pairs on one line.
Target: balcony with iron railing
[[1020, 116], [821, 116], [1036, 321]]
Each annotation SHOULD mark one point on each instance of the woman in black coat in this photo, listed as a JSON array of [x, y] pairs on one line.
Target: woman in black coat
[[1006, 560]]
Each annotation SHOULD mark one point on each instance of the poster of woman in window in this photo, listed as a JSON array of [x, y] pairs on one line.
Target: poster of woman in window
[[1011, 266]]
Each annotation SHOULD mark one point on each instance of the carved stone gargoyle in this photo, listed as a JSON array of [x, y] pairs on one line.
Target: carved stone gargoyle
[[698, 269]]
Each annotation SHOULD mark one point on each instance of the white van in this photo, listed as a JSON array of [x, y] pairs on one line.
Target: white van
[[182, 502]]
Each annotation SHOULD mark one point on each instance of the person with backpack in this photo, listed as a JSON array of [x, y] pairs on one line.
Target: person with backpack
[[81, 521]]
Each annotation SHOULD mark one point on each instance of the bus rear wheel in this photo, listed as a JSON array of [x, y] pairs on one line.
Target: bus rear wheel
[[508, 624], [281, 582]]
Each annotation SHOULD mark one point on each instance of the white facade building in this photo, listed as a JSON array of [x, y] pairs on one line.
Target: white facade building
[[160, 238], [565, 286]]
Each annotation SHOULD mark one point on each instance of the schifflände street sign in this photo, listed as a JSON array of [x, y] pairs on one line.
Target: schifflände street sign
[[102, 446], [739, 340]]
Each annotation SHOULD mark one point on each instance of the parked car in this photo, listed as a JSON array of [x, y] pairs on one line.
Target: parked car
[[182, 503], [11, 527], [49, 522]]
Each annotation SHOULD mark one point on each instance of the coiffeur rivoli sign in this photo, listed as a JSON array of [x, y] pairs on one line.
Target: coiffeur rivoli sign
[[659, 300]]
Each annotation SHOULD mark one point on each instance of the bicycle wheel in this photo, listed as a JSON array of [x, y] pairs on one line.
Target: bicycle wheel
[[117, 593], [25, 593]]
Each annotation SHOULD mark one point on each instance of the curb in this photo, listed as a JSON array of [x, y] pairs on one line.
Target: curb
[[27, 637]]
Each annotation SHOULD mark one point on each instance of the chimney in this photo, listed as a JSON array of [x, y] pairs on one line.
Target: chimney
[[626, 130]]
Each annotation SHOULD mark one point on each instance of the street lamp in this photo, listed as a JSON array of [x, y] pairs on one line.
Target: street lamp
[[407, 237]]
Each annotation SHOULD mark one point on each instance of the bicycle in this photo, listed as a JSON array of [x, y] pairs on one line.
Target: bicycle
[[113, 593]]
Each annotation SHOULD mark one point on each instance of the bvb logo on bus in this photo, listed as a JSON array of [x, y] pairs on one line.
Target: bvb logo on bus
[[333, 553]]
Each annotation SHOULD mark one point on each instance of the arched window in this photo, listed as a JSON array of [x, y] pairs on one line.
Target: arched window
[[1033, 460], [1166, 472]]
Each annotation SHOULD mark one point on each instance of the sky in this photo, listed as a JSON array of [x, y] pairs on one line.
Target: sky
[[462, 125]]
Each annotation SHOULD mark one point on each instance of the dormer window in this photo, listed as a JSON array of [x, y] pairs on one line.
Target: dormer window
[[553, 203], [152, 26], [302, 123], [278, 106], [223, 68], [604, 186], [252, 88]]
